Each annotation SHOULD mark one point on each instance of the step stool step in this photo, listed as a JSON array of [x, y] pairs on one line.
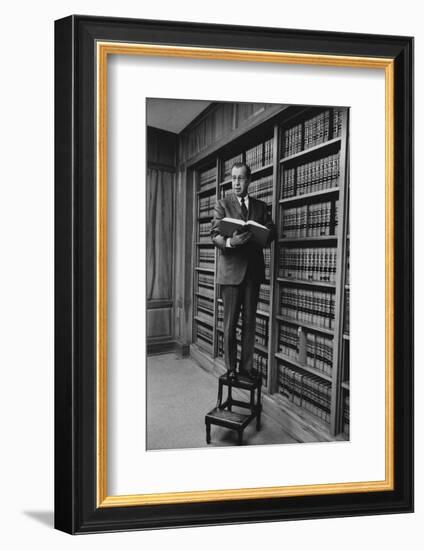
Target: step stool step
[[228, 418], [240, 382]]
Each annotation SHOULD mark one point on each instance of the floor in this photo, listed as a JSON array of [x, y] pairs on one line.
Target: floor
[[179, 394]]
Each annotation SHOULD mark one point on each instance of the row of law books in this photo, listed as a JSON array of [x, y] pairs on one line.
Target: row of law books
[[307, 134], [313, 307], [268, 151], [337, 122], [318, 349], [205, 231], [267, 260], [220, 344], [311, 177], [288, 341], [292, 141], [206, 258], [308, 264], [205, 305], [205, 291], [317, 130], [305, 390], [318, 175], [205, 280], [264, 297], [207, 178], [261, 331], [262, 189], [310, 220], [260, 155], [206, 205], [220, 316], [229, 163], [319, 352], [255, 157], [204, 333]]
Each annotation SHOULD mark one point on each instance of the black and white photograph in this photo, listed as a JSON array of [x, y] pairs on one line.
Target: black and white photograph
[[247, 274], [202, 205]]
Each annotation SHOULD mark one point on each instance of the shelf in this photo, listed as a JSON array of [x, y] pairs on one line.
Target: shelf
[[206, 190], [307, 196], [204, 313], [211, 287], [293, 362], [203, 320], [204, 344], [225, 182], [307, 283], [311, 150], [321, 238], [204, 295], [211, 322], [314, 328], [263, 313], [261, 348], [206, 269], [262, 169], [253, 173]]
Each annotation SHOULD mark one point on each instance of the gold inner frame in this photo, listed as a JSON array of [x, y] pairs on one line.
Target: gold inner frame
[[104, 49]]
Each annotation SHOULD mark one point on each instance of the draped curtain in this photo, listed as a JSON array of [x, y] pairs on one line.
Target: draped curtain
[[160, 206]]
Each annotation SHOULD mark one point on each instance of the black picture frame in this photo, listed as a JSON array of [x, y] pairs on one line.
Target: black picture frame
[[76, 483]]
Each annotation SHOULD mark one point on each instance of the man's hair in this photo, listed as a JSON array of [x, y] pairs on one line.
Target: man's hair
[[242, 165]]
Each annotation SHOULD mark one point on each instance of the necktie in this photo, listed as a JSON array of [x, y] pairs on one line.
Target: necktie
[[243, 208]]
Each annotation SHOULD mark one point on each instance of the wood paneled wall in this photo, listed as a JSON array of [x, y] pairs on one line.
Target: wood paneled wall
[[216, 123]]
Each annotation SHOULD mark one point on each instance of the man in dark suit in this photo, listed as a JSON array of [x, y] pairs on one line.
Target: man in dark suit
[[241, 268]]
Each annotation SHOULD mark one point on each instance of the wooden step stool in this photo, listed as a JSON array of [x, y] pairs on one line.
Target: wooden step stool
[[223, 415]]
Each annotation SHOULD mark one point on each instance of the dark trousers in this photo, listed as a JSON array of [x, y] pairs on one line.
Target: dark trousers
[[244, 298]]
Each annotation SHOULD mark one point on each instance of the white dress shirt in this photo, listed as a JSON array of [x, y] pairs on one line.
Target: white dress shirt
[[246, 203]]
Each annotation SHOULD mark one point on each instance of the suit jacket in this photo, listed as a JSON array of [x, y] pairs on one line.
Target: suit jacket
[[234, 262]]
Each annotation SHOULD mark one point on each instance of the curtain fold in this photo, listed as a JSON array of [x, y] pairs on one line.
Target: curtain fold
[[159, 234]]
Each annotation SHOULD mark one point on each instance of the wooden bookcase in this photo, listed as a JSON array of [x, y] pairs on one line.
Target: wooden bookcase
[[299, 162]]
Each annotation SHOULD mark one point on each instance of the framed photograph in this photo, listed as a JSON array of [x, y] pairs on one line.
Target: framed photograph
[[234, 274]]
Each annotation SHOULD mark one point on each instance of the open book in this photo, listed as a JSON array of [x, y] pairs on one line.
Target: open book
[[260, 233]]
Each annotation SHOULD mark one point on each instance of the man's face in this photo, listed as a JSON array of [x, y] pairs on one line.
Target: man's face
[[240, 181]]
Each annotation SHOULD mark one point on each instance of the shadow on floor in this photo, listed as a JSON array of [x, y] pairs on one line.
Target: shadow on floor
[[44, 517]]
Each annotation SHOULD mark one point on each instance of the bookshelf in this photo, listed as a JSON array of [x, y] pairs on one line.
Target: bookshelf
[[299, 165], [204, 332]]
